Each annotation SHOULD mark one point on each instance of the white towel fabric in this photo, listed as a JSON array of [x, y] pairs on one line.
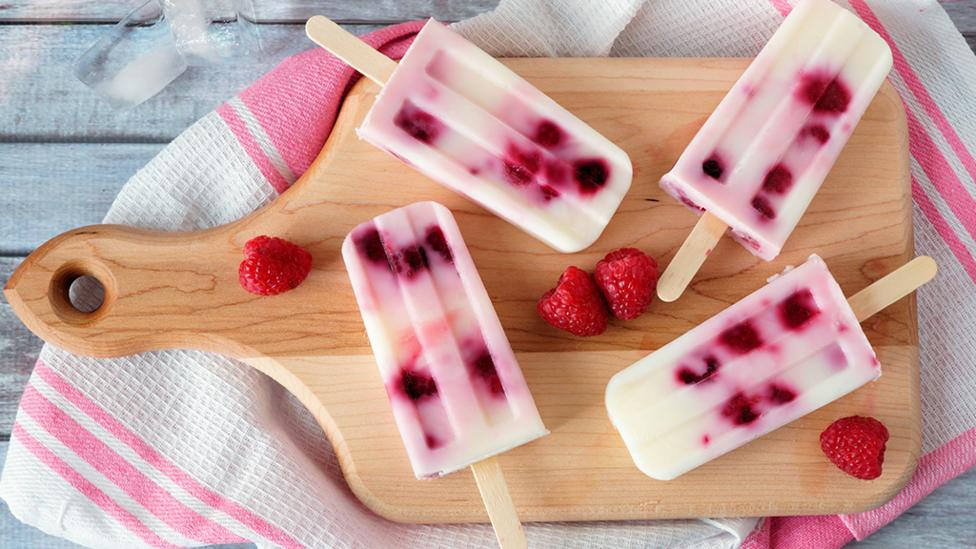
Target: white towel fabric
[[188, 448]]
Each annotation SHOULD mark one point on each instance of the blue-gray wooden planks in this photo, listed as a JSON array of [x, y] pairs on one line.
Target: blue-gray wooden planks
[[64, 154]]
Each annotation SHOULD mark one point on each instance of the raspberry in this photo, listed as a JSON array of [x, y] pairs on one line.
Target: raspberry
[[713, 167], [627, 277], [825, 93], [548, 134], [778, 179], [856, 445], [764, 208], [272, 265], [574, 305], [591, 175], [741, 338]]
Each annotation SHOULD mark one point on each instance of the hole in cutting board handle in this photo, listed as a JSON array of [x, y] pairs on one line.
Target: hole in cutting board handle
[[81, 292]]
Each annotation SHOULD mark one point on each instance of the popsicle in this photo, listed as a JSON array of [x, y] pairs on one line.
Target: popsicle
[[456, 389], [778, 354], [759, 159], [465, 120]]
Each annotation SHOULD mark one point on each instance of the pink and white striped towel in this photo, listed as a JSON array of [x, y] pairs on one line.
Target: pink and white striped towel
[[185, 448]]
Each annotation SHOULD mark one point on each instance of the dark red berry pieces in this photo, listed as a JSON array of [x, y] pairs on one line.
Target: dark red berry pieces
[[418, 123], [780, 394], [432, 442], [739, 409], [437, 242], [827, 94], [273, 265], [521, 165], [778, 180], [741, 338], [548, 193], [818, 132], [688, 376], [370, 246], [591, 175], [484, 367], [410, 260], [548, 134], [517, 175], [713, 167], [798, 309], [856, 445], [627, 277], [765, 209], [574, 305], [417, 385]]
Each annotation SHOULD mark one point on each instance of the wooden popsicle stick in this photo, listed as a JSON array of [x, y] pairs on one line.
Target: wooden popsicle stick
[[501, 510], [894, 286], [348, 47], [690, 257]]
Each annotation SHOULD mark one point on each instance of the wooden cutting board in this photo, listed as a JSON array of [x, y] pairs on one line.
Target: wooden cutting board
[[181, 290]]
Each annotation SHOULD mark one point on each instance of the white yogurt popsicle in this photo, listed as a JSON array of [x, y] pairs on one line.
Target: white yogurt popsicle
[[776, 355], [457, 392], [465, 120], [763, 153]]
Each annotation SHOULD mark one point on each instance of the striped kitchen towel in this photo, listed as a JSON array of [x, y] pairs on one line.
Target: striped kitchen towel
[[186, 448]]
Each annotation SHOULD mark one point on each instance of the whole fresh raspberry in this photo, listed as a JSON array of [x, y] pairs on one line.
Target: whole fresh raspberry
[[627, 277], [574, 305], [856, 445], [273, 265]]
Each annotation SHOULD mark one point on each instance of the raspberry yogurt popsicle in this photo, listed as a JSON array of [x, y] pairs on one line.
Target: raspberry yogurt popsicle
[[778, 354], [761, 156], [456, 389], [465, 120]]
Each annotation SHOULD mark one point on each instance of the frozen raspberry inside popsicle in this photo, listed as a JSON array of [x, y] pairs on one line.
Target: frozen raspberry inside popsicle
[[689, 376], [818, 132], [437, 242], [418, 124], [825, 91], [455, 387], [798, 309], [713, 167], [778, 179], [741, 338], [548, 134], [776, 134], [780, 394], [740, 409], [591, 174], [417, 385], [470, 123], [776, 355], [484, 367]]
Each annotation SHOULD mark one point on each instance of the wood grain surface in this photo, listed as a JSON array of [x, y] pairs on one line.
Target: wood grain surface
[[159, 284]]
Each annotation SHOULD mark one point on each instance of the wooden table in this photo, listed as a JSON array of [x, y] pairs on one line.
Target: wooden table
[[52, 124]]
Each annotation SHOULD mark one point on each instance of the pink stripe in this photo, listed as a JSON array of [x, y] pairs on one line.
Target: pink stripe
[[833, 531], [934, 469], [88, 489], [296, 104], [137, 485], [820, 532], [782, 6], [959, 249], [180, 477], [918, 89], [244, 137], [941, 175]]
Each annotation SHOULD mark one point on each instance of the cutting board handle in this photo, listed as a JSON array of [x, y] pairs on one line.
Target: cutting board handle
[[153, 298]]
